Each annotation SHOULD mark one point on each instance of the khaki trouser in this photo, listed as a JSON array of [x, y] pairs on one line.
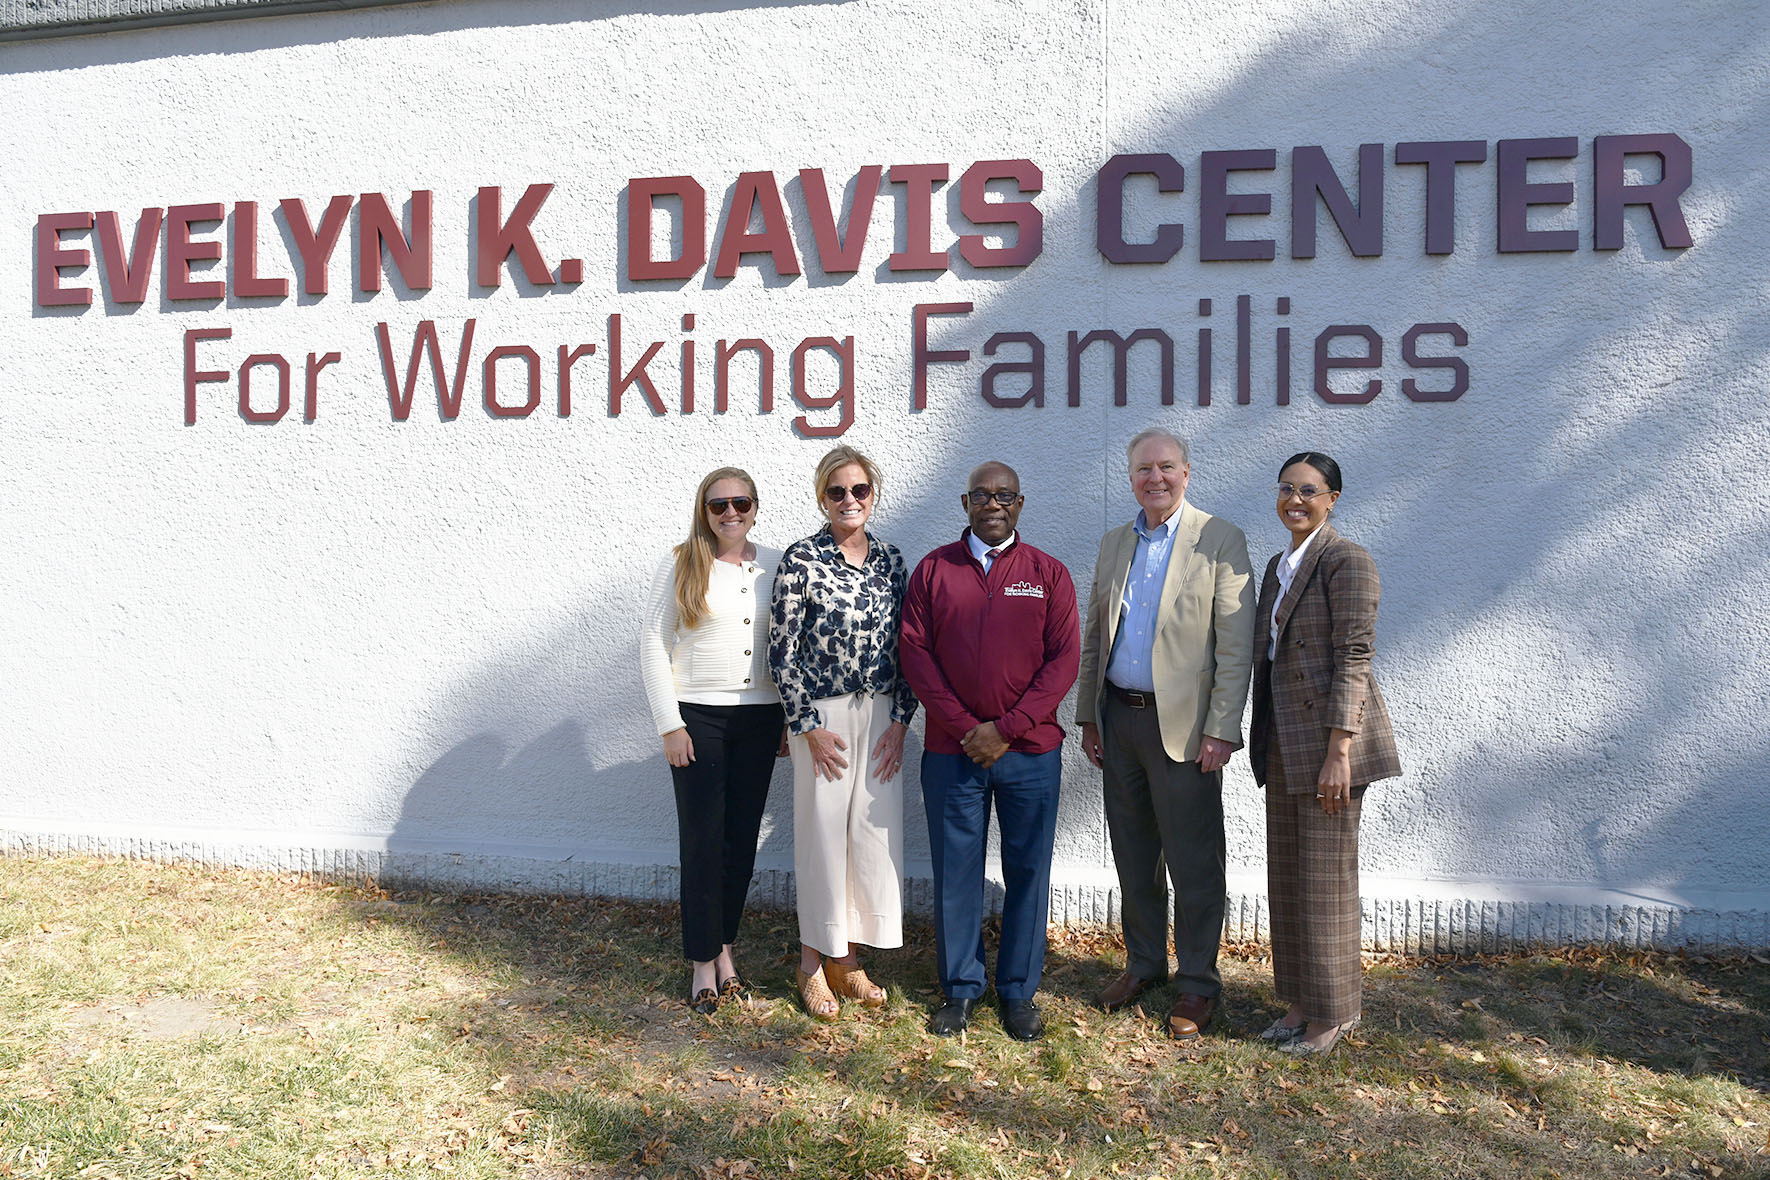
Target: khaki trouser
[[848, 835]]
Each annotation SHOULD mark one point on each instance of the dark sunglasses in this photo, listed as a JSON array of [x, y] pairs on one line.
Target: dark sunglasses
[[741, 503], [860, 491], [980, 497]]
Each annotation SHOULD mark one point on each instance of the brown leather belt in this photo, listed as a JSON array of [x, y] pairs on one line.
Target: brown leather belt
[[1137, 700]]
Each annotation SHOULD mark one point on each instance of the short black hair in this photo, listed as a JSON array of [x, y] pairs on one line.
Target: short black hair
[[1329, 469]]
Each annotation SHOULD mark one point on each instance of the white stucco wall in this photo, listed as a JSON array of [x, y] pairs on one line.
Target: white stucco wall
[[408, 646]]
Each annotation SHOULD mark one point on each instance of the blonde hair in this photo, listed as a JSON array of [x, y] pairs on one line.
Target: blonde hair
[[694, 557], [836, 459]]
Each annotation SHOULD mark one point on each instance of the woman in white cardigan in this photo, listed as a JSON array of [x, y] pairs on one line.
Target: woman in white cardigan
[[703, 654]]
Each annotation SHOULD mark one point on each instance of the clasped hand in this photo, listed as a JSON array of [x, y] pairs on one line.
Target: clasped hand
[[984, 744]]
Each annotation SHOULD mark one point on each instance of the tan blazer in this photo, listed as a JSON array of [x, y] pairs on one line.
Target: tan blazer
[[1204, 631], [1321, 678]]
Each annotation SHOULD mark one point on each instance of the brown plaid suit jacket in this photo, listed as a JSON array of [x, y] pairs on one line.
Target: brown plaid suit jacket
[[1321, 677]]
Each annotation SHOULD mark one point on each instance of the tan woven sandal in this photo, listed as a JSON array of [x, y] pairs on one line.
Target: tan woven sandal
[[814, 993], [850, 979]]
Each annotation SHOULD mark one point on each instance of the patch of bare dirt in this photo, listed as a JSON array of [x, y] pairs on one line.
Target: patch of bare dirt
[[158, 1018]]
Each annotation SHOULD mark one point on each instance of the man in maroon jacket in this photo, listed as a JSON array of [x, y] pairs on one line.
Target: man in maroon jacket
[[991, 644]]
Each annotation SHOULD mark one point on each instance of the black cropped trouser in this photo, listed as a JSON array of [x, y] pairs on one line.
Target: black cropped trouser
[[720, 797]]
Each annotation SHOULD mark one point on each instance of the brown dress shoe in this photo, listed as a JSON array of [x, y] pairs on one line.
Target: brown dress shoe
[[1126, 988], [1190, 1015]]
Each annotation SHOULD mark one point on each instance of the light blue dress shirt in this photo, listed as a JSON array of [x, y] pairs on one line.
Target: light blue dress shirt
[[1132, 664]]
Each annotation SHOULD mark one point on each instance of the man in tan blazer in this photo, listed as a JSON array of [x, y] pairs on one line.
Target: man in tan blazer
[[1165, 666]]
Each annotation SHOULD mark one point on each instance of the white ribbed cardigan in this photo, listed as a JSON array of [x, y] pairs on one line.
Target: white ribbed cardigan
[[724, 661]]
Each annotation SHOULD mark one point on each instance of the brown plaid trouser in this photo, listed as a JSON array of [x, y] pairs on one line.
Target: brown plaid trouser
[[1312, 893]]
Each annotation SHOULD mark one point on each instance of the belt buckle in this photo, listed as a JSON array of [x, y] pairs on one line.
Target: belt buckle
[[1133, 698]]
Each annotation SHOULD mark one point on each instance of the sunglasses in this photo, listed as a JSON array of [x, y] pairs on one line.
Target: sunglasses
[[741, 503], [859, 491]]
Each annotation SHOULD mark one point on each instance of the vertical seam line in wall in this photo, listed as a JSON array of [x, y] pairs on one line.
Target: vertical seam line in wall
[[1105, 299], [1102, 836]]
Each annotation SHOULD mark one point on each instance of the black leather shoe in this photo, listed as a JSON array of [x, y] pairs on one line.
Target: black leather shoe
[[952, 1017], [1021, 1020]]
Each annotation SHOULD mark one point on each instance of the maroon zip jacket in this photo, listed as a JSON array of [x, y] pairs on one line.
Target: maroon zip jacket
[[1004, 648]]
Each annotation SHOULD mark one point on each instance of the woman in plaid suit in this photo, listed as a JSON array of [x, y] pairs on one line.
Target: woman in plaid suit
[[1320, 737]]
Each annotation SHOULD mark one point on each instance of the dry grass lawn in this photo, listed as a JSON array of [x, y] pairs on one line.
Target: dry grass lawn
[[172, 1021]]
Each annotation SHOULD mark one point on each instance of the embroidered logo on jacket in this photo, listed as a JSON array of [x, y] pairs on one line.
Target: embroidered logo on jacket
[[1023, 590]]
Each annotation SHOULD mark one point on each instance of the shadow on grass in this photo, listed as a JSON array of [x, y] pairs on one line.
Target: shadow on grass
[[584, 1011], [1664, 1013]]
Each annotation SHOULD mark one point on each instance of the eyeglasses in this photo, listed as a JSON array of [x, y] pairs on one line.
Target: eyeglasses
[[981, 497], [741, 503], [859, 491], [1306, 493]]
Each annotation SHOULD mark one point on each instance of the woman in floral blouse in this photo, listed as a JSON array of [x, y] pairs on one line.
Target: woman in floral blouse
[[832, 649]]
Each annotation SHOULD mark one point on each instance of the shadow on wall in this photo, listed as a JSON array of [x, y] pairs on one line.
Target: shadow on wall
[[1581, 647], [137, 38], [551, 799], [1582, 734]]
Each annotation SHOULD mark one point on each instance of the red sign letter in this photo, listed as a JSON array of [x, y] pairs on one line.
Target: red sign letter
[[921, 354], [843, 395], [495, 241], [192, 374], [642, 196], [1029, 223], [1313, 176], [52, 256], [840, 255], [315, 247], [918, 181], [1109, 207], [1441, 158], [424, 341], [1217, 205], [181, 251], [755, 190], [376, 224], [247, 282], [1611, 193], [126, 279], [281, 364], [1517, 195]]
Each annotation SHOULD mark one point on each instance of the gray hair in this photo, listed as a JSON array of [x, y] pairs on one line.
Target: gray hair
[[1143, 436]]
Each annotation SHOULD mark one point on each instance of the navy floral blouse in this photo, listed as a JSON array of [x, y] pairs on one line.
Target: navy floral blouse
[[833, 627]]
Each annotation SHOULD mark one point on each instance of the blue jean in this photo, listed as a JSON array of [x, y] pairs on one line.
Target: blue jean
[[957, 793]]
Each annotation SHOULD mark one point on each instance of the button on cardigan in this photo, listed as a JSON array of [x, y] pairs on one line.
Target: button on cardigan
[[724, 661]]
